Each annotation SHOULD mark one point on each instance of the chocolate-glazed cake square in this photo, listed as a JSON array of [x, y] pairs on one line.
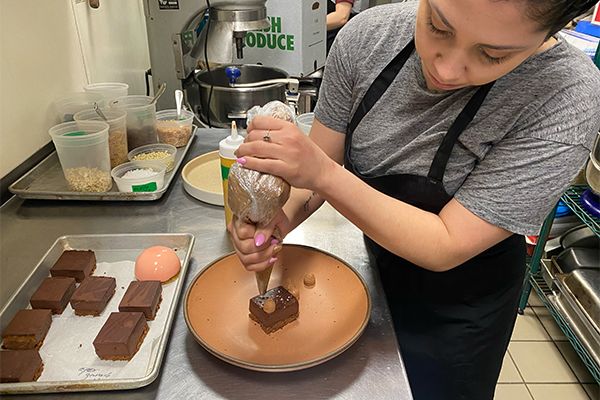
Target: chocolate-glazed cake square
[[142, 296], [75, 263], [54, 294], [93, 294], [27, 330], [286, 309], [121, 336], [20, 366]]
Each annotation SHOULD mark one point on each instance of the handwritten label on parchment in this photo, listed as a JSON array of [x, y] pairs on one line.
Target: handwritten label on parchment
[[92, 374]]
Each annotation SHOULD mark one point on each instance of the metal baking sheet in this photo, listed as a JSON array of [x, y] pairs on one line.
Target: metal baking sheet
[[110, 250], [46, 181]]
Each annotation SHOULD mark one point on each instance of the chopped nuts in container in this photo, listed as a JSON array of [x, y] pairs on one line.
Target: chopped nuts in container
[[83, 179], [174, 131], [164, 153], [117, 144]]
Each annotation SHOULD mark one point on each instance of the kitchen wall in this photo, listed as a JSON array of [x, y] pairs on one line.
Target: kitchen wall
[[52, 48]]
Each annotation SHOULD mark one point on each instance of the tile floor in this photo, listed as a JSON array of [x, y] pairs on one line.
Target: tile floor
[[541, 364]]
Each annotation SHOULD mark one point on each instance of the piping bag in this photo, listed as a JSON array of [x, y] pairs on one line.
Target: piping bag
[[255, 197]]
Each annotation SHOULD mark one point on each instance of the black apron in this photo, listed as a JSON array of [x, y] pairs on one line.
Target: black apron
[[453, 327]]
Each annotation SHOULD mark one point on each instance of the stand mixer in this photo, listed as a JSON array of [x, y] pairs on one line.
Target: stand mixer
[[182, 40], [172, 26]]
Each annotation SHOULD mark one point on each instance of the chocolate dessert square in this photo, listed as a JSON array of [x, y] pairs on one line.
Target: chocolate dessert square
[[75, 263], [27, 329], [20, 366], [285, 309], [93, 294], [54, 293], [142, 296], [121, 336]]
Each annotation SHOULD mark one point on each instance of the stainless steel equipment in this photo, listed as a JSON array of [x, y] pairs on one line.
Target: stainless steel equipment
[[231, 103], [205, 33], [173, 27]]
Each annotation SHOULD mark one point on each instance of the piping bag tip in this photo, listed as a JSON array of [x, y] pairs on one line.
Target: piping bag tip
[[262, 279]]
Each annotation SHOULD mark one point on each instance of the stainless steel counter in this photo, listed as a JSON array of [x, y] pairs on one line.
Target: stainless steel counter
[[370, 369]]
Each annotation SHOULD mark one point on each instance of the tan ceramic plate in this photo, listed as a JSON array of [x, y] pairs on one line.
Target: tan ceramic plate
[[333, 313], [202, 178]]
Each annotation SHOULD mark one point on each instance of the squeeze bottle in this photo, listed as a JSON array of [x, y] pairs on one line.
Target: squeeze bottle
[[226, 148]]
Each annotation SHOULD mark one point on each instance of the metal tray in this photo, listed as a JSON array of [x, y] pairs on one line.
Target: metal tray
[[548, 272], [583, 286], [46, 181], [108, 249], [586, 335]]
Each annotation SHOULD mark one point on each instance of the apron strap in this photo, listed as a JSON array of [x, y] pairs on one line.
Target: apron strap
[[380, 85], [438, 166]]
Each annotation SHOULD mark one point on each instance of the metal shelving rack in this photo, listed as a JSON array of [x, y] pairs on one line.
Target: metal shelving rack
[[572, 198]]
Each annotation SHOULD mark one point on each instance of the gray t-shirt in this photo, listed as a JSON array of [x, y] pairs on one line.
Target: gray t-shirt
[[528, 141]]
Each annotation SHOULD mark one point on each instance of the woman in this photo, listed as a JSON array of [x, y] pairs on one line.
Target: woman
[[455, 145]]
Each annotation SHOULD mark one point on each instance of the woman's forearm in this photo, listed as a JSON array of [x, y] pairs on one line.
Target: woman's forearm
[[301, 204], [435, 242]]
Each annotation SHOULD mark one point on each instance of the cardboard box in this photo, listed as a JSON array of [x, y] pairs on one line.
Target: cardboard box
[[295, 42]]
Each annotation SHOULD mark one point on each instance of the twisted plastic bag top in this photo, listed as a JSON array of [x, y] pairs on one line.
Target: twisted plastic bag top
[[252, 196], [273, 109]]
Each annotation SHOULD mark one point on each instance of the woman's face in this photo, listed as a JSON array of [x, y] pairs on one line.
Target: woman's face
[[472, 42]]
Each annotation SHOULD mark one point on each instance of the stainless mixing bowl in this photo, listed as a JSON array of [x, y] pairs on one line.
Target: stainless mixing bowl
[[229, 103]]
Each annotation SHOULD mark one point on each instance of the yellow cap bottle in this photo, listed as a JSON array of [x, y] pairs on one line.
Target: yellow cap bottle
[[227, 147]]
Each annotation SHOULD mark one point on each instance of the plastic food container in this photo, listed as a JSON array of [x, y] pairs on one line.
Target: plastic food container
[[173, 131], [82, 148], [108, 90], [305, 121], [142, 181], [71, 104], [164, 153], [117, 131], [141, 119]]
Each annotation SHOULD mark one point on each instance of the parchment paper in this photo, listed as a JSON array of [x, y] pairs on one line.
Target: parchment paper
[[68, 351]]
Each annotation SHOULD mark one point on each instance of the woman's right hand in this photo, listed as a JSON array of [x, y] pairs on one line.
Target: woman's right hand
[[256, 246]]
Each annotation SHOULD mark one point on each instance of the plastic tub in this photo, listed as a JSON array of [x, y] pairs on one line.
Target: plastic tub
[[141, 119], [305, 121], [172, 131], [117, 131], [139, 184], [108, 90], [82, 148], [71, 104], [164, 153]]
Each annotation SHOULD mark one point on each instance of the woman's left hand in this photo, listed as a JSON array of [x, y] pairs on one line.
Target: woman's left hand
[[289, 153]]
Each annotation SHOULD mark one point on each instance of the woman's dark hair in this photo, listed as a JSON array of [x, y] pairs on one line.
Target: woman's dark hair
[[553, 15]]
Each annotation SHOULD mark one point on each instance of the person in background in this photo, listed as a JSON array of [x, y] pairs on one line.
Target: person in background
[[339, 13], [445, 130]]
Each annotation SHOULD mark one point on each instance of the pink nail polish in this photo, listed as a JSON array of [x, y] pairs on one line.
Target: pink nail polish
[[274, 241], [241, 161], [272, 260], [259, 240]]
